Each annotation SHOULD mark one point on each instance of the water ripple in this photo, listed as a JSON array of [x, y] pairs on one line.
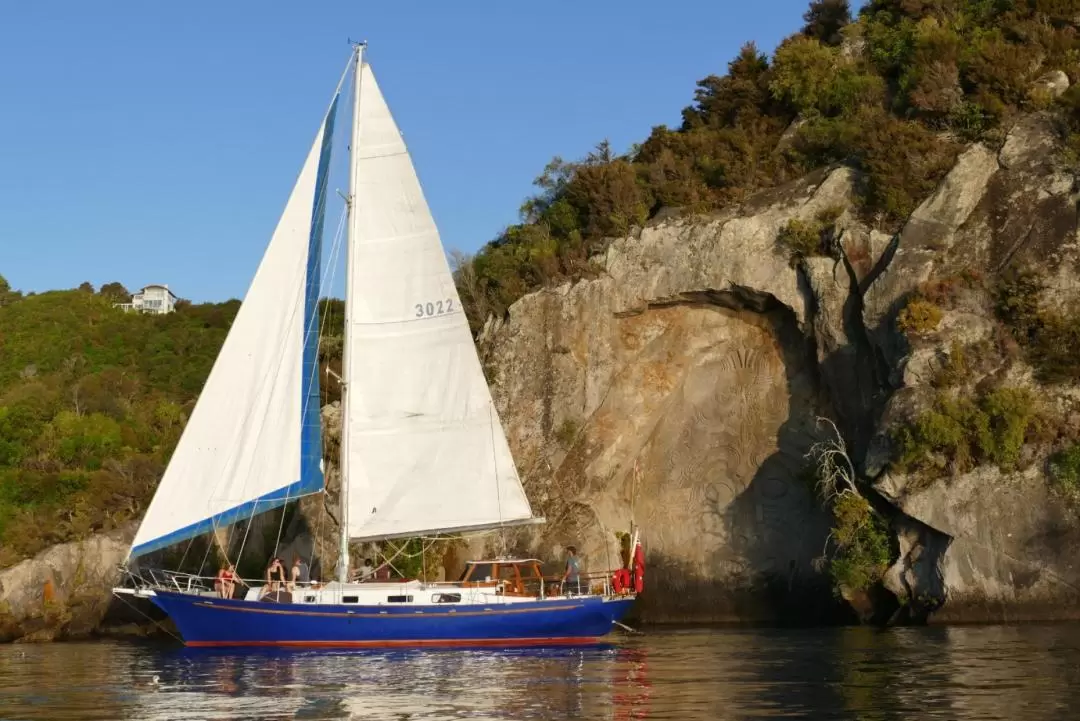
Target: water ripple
[[1029, 672]]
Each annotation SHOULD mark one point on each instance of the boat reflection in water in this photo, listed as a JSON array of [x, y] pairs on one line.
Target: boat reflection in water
[[596, 682]]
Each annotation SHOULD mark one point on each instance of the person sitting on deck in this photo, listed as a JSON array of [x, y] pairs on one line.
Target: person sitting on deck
[[571, 581], [300, 575], [275, 576], [366, 572], [225, 582]]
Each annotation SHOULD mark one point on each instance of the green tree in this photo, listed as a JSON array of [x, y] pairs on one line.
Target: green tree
[[741, 95], [115, 291], [825, 19], [7, 295]]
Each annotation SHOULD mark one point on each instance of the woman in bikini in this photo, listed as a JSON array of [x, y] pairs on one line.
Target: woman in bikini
[[225, 583]]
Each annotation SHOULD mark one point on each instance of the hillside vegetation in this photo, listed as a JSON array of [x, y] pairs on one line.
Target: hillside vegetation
[[92, 402], [894, 93]]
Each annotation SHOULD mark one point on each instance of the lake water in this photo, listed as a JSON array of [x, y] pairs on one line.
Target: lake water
[[1001, 672]]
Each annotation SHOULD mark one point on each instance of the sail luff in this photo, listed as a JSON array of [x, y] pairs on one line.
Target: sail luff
[[343, 550], [253, 441]]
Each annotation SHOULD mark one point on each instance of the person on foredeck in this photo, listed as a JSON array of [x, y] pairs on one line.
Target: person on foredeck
[[571, 581], [300, 575], [225, 583]]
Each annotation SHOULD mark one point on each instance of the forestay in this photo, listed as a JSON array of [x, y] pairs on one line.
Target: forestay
[[253, 440], [425, 449]]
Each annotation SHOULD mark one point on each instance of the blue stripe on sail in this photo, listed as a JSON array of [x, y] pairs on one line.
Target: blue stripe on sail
[[267, 502], [311, 475]]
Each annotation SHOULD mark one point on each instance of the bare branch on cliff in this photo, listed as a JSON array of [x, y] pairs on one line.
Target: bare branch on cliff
[[835, 472]]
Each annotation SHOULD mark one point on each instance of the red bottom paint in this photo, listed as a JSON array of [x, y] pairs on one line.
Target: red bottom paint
[[487, 642]]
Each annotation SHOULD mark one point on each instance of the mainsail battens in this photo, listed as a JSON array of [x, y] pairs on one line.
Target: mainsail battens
[[426, 451], [253, 441]]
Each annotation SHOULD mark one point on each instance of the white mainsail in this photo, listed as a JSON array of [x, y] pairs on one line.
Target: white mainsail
[[253, 441], [425, 451]]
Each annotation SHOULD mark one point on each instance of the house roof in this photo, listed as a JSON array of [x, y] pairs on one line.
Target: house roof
[[160, 285]]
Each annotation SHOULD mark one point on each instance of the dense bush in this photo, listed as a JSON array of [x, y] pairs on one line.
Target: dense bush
[[919, 316], [890, 94], [1049, 337], [958, 433], [862, 544], [807, 238], [1065, 469]]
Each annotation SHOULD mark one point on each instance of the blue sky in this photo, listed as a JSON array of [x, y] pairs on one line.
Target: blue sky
[[157, 141]]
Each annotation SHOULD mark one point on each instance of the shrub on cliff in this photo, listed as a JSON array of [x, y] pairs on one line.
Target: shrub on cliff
[[958, 433], [858, 550], [862, 552], [1049, 337], [808, 238], [1065, 469], [919, 316]]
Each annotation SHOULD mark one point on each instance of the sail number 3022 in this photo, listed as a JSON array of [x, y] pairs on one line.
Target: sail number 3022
[[439, 307]]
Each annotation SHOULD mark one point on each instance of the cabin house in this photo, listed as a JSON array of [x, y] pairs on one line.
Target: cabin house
[[157, 299]]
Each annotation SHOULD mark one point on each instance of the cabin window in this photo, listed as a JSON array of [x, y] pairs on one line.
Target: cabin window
[[350, 599], [309, 599], [446, 598], [399, 599], [477, 572]]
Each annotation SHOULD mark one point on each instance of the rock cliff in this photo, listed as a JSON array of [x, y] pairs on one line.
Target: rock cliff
[[64, 591], [680, 388]]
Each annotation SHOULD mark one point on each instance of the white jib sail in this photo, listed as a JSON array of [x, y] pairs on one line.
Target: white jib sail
[[426, 451], [253, 440]]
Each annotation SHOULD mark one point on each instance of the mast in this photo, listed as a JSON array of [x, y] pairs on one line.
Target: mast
[[343, 464]]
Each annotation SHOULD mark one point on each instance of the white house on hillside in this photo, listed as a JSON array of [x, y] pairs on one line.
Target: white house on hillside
[[154, 298]]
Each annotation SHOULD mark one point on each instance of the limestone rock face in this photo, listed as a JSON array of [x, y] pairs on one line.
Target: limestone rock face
[[1012, 545], [680, 389], [65, 591]]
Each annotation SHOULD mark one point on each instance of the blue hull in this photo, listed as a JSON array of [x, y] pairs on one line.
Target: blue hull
[[206, 621]]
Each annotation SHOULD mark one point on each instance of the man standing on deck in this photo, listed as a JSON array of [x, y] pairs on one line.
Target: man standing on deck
[[571, 581]]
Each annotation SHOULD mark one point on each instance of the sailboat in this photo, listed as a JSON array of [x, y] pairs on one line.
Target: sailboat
[[423, 452]]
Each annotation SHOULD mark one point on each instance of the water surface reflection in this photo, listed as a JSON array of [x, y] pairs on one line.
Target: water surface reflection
[[1028, 672]]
